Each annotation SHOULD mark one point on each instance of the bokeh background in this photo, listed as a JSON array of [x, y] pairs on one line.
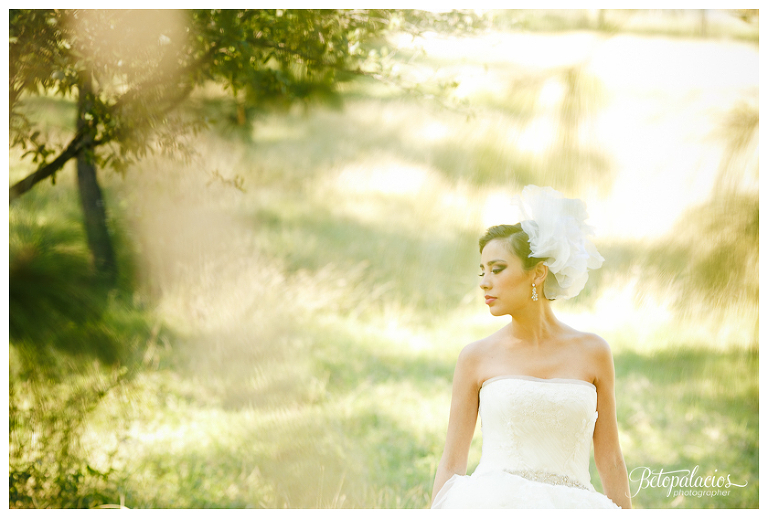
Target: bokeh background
[[293, 298]]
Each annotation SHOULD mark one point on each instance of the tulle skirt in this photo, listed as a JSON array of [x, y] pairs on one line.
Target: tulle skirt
[[502, 490]]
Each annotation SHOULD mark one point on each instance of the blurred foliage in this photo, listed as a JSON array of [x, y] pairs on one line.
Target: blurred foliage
[[48, 466], [718, 243], [145, 63], [739, 168], [706, 266], [740, 24], [573, 160], [73, 342]]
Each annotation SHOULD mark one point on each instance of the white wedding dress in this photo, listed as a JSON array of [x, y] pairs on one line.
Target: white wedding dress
[[536, 445]]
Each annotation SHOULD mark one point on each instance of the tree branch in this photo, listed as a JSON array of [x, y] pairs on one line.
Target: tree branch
[[47, 170], [78, 142]]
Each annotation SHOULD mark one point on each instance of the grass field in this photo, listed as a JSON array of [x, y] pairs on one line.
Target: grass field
[[293, 345]]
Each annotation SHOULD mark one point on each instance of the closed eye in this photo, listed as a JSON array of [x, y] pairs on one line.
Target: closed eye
[[494, 271]]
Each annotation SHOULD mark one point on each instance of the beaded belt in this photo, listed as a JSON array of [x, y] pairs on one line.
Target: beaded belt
[[546, 477]]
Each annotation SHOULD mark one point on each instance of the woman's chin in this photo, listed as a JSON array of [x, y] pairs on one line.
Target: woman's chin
[[497, 312]]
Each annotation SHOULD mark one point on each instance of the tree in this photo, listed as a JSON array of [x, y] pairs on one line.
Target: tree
[[131, 69]]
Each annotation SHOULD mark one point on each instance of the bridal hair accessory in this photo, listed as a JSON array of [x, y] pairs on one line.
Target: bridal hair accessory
[[557, 232], [534, 295]]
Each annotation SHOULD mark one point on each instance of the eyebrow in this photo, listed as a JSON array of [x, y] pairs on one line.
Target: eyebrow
[[491, 263]]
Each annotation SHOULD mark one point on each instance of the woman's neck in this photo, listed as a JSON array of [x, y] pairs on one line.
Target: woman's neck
[[535, 325]]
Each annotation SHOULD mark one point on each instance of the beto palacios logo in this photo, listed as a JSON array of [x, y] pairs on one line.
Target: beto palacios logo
[[682, 481]]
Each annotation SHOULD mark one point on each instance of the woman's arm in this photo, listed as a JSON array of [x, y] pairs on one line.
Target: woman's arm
[[462, 421], [608, 457]]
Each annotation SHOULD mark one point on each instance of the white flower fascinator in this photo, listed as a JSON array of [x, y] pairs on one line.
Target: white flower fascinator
[[557, 232]]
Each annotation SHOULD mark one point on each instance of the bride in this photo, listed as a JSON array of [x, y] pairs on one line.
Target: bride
[[541, 388]]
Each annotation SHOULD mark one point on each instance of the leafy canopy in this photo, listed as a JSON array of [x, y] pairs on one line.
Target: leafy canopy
[[138, 65]]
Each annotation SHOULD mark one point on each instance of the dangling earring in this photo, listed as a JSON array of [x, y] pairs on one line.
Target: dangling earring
[[534, 296]]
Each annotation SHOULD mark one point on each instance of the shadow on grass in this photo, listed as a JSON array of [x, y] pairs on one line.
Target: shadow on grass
[[424, 271], [56, 298], [353, 360]]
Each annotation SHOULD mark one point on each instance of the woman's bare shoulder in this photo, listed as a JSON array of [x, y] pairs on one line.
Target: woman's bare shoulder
[[473, 351], [595, 343], [590, 342], [597, 350], [474, 356], [593, 348]]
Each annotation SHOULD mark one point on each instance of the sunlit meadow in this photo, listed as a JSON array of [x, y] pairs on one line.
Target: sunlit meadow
[[310, 278]]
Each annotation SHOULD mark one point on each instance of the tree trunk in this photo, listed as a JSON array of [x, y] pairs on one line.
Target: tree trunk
[[91, 198]]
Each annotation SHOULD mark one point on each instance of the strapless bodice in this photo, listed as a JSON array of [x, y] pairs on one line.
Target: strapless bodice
[[540, 429], [537, 435]]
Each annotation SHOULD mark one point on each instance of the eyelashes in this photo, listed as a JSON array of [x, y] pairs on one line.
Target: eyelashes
[[494, 271]]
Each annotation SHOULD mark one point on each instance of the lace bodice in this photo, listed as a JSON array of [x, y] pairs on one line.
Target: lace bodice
[[538, 428]]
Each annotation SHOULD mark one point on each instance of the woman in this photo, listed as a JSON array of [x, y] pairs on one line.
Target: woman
[[542, 389]]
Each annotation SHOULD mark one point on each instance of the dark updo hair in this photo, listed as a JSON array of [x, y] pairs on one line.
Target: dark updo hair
[[516, 240]]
